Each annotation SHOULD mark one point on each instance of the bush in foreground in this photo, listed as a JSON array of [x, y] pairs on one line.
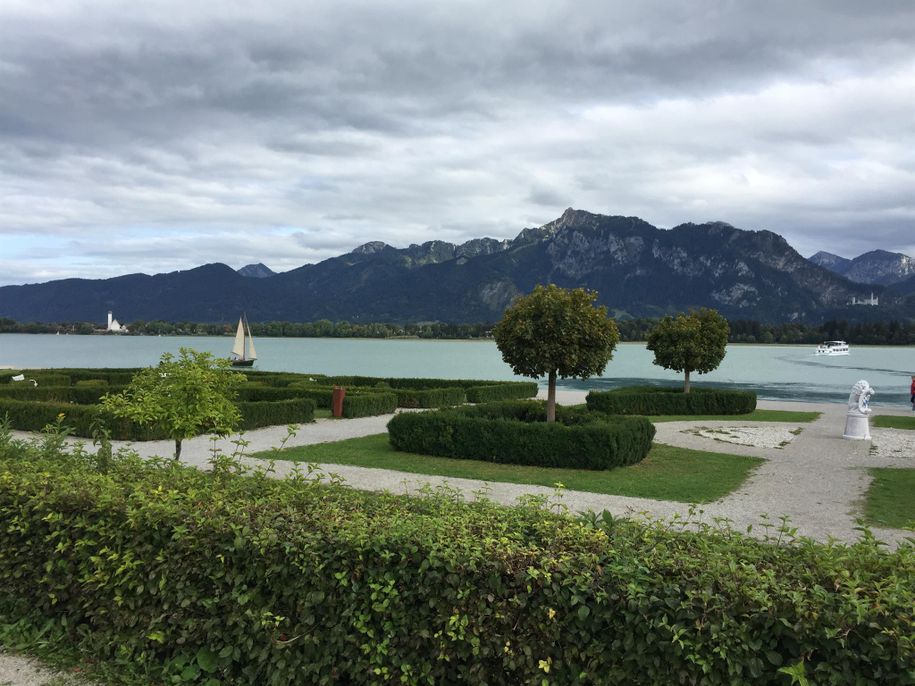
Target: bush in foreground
[[515, 432], [660, 400], [182, 576]]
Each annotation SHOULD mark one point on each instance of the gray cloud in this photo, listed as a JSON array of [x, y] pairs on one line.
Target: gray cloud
[[160, 136]]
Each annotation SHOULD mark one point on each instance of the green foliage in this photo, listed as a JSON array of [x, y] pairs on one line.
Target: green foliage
[[511, 390], [179, 576], [658, 400], [368, 404], [694, 342], [513, 432], [183, 397], [558, 333], [294, 411], [430, 397]]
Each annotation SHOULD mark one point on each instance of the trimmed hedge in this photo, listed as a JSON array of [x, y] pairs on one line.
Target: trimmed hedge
[[368, 404], [510, 390], [81, 395], [175, 575], [34, 416], [515, 432], [257, 414], [659, 400], [430, 397]]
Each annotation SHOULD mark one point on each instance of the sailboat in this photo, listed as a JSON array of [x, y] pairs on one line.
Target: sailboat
[[242, 336]]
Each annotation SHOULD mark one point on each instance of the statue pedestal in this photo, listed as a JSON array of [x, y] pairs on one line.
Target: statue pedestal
[[857, 427]]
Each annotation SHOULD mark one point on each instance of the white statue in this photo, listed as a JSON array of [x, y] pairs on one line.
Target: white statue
[[856, 420]]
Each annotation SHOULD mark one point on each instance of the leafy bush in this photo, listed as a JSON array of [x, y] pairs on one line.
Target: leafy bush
[[80, 394], [430, 397], [510, 390], [368, 404], [514, 433], [82, 419], [181, 576], [254, 415], [659, 400]]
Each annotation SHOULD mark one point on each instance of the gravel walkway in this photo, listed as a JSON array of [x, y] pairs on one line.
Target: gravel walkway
[[818, 479]]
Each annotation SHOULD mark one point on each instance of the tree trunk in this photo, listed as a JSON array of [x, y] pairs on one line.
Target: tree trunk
[[686, 382], [177, 448], [551, 399]]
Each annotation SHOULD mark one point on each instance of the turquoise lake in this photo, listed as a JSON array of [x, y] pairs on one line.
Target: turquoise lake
[[784, 372]]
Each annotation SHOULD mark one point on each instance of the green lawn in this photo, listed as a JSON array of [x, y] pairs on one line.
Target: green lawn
[[668, 473], [891, 498], [791, 416], [894, 422]]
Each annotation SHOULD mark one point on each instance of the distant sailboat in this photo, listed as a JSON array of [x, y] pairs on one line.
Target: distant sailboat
[[243, 335]]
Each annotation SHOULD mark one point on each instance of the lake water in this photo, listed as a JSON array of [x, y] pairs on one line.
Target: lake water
[[784, 372]]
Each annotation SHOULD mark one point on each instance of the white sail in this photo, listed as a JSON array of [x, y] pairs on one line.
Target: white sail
[[252, 354], [239, 348]]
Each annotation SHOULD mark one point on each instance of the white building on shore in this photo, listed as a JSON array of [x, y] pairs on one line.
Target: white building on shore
[[114, 326]]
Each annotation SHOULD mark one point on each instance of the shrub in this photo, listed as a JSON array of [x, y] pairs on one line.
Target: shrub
[[82, 419], [81, 395], [254, 415], [185, 576], [515, 433], [509, 390], [368, 404], [430, 397], [659, 400]]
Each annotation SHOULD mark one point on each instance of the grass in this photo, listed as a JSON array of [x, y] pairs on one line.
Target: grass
[[890, 501], [791, 416], [668, 473], [894, 422]]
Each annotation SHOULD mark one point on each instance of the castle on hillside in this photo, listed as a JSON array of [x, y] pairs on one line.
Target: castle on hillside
[[873, 300]]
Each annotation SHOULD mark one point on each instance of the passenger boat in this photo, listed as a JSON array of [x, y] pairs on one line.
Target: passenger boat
[[832, 348], [242, 357]]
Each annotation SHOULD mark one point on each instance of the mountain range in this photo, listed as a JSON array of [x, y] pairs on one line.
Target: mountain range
[[638, 270], [876, 266]]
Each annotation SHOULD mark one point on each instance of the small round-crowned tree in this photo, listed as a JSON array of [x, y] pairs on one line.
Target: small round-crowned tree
[[184, 396], [693, 342], [558, 333]]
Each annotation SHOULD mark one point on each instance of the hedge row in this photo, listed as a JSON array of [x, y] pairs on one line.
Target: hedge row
[[258, 414], [654, 400], [81, 394], [511, 390], [429, 397], [515, 432], [176, 575], [368, 404], [82, 419]]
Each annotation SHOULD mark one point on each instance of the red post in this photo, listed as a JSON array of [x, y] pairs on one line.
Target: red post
[[336, 401]]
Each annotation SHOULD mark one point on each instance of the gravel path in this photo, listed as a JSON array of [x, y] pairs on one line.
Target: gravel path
[[19, 670], [818, 479]]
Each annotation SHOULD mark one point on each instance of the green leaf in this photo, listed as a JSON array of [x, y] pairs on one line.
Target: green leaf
[[207, 660]]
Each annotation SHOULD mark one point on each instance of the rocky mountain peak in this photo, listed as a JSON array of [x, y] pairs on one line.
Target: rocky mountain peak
[[256, 271], [370, 248]]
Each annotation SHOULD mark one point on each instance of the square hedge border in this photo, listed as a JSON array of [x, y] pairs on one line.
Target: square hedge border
[[515, 432]]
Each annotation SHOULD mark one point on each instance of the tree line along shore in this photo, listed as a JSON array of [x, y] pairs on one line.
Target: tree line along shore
[[894, 332]]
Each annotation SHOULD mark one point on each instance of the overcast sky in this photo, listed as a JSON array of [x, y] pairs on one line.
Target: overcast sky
[[151, 136]]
